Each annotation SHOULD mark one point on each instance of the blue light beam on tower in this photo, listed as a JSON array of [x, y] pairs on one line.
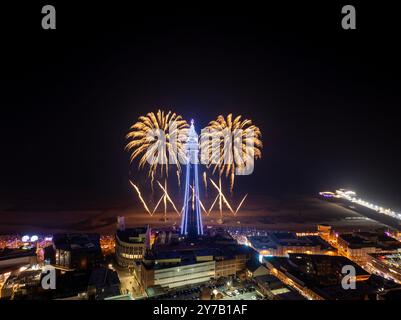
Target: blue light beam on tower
[[191, 223]]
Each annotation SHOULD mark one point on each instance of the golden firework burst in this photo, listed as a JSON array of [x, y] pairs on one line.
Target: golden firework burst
[[156, 139], [237, 140]]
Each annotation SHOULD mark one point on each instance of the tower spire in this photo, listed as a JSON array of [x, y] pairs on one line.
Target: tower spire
[[191, 223]]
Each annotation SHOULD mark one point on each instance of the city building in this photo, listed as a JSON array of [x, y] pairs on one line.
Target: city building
[[97, 283], [163, 237], [176, 269], [107, 245], [283, 243], [324, 231], [130, 244], [76, 250], [387, 265], [10, 258], [103, 283], [12, 262], [189, 264], [255, 269], [319, 277], [274, 289], [358, 245], [231, 260], [22, 285]]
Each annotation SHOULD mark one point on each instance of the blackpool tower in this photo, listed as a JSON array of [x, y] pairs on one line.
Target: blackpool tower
[[191, 223]]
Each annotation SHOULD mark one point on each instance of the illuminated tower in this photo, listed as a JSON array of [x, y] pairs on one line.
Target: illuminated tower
[[191, 223]]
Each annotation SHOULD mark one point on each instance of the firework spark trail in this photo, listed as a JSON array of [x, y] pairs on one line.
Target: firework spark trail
[[200, 202], [178, 178], [214, 202], [222, 197], [232, 136], [205, 180], [152, 179], [158, 203], [240, 204], [168, 197], [165, 200], [140, 197], [203, 207]]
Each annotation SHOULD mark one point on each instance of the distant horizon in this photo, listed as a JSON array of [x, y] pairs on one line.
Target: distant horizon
[[285, 213], [326, 100]]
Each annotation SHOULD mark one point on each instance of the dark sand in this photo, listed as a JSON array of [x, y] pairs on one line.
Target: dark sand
[[293, 213]]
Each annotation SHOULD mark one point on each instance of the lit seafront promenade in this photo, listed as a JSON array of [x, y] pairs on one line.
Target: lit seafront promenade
[[349, 199]]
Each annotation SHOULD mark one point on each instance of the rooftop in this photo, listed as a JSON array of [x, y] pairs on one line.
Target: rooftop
[[77, 241], [132, 235], [273, 240], [323, 275], [370, 239], [253, 264], [315, 269], [8, 253], [278, 288], [189, 254]]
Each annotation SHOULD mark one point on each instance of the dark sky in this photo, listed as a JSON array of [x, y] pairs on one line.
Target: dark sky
[[326, 99]]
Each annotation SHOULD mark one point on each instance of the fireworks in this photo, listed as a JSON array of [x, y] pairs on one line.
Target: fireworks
[[200, 202], [160, 139], [165, 198], [240, 204], [238, 141], [205, 180], [221, 198], [155, 139], [140, 197]]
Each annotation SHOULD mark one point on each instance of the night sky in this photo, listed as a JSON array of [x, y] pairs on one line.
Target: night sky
[[327, 100]]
